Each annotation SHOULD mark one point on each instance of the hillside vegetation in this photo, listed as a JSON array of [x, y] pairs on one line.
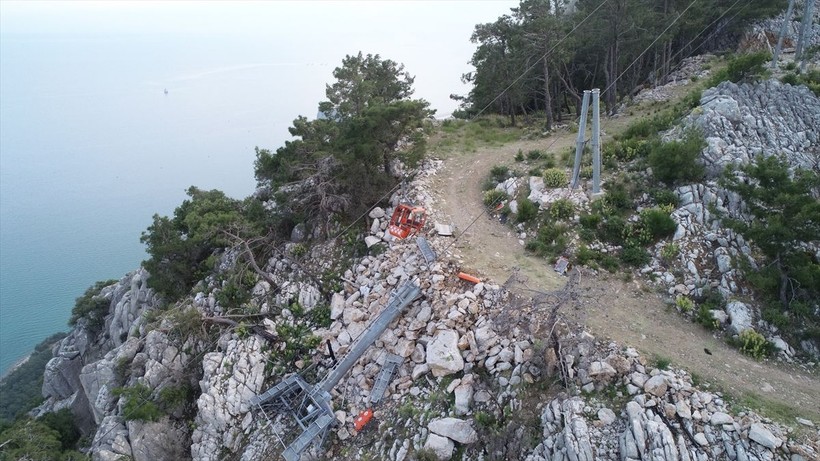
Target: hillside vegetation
[[239, 293]]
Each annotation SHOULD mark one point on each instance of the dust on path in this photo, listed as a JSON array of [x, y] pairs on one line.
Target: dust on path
[[628, 313]]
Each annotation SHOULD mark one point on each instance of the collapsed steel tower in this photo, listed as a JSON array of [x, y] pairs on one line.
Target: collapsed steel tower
[[309, 405]]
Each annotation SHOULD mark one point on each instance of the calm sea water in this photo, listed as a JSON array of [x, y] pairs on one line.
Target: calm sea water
[[91, 146]]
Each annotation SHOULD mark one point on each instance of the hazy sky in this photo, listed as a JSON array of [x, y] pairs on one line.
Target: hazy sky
[[430, 37], [254, 17]]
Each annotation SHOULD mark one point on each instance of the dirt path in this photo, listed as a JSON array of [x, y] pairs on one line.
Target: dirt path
[[630, 313]]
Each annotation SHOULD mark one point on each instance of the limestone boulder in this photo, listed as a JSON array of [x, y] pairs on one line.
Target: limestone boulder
[[740, 317], [442, 447], [443, 355], [455, 429]]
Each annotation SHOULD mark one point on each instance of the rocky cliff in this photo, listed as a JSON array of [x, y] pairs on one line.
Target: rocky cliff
[[739, 123], [486, 374], [478, 376]]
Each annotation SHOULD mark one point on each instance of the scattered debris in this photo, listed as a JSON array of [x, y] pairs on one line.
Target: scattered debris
[[468, 277], [562, 265], [444, 230]]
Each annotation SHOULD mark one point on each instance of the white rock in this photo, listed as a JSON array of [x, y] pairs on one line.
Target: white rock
[[740, 317], [443, 356], [441, 446], [683, 410], [376, 213], [763, 436], [655, 385], [419, 371], [606, 416], [805, 422], [719, 418], [464, 395], [601, 371], [337, 306], [719, 315], [455, 429]]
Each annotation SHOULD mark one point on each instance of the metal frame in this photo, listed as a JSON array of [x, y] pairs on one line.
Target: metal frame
[[309, 406]]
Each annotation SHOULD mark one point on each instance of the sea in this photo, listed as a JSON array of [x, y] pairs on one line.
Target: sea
[[101, 129]]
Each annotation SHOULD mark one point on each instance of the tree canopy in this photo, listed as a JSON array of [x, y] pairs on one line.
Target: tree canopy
[[341, 162], [181, 246], [541, 57], [784, 223]]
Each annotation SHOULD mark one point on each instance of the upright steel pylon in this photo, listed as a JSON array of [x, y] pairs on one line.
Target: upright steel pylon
[[596, 140], [579, 144], [805, 34], [786, 20]]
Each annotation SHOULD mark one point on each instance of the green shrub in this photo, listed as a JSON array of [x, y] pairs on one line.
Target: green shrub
[[562, 209], [754, 344], [791, 78], [669, 252], [618, 196], [627, 150], [662, 363], [62, 421], [181, 248], [610, 263], [139, 404], [665, 197], [704, 317], [91, 306], [555, 177], [484, 419], [233, 294], [747, 66], [519, 156], [692, 99], [590, 220], [777, 317], [657, 222], [648, 127], [320, 315], [676, 161], [534, 154], [635, 256], [684, 303], [299, 250], [811, 79], [172, 398], [585, 256], [612, 230], [527, 210], [587, 235], [550, 241], [500, 173], [494, 197], [586, 172]]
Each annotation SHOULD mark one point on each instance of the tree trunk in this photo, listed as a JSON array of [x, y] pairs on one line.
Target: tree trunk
[[784, 283], [547, 98]]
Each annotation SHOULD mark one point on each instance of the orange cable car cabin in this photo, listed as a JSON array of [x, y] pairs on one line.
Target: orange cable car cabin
[[406, 221]]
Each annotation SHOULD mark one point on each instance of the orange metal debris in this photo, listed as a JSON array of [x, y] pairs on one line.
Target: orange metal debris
[[364, 417], [468, 277], [406, 221]]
